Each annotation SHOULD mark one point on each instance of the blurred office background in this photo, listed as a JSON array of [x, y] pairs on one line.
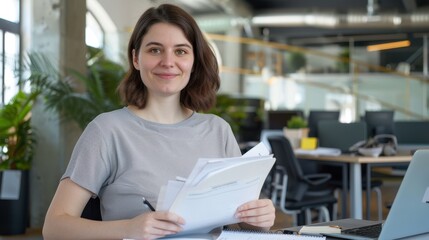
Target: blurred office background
[[285, 55]]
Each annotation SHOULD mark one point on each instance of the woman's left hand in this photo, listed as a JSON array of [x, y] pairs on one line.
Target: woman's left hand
[[259, 213]]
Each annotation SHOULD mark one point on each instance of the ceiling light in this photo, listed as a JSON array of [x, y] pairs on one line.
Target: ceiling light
[[296, 20], [385, 46]]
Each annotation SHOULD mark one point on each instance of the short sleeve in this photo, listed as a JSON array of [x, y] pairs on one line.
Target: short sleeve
[[90, 165]]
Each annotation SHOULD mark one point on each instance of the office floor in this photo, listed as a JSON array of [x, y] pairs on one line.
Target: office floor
[[389, 189]]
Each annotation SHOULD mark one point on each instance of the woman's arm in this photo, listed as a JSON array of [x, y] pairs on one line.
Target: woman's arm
[[63, 219]]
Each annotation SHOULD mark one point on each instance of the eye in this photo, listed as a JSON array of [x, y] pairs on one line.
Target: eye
[[154, 50], [181, 52]]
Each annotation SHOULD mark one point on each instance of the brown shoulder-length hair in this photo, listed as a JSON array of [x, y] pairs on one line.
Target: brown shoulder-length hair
[[200, 93]]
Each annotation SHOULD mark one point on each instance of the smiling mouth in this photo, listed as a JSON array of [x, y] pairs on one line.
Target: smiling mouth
[[166, 75]]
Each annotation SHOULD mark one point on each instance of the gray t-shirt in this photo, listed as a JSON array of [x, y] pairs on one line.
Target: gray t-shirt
[[121, 157]]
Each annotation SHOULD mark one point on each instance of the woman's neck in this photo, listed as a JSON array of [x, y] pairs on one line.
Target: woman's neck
[[162, 113]]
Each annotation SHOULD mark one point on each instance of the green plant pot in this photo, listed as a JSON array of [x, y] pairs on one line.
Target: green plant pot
[[14, 214]]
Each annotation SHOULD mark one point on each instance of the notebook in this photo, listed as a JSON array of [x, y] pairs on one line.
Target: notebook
[[245, 235], [409, 213], [256, 235]]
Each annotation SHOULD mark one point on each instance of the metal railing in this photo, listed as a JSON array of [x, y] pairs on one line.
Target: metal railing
[[365, 86]]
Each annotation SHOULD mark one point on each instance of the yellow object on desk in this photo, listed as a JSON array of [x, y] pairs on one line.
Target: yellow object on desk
[[309, 143]]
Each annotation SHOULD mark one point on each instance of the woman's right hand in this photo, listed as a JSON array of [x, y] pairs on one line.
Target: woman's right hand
[[154, 225]]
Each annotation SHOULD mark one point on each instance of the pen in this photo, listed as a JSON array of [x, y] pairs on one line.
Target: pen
[[147, 203], [335, 226]]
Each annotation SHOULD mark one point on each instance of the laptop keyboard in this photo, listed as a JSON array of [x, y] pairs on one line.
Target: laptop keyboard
[[372, 231]]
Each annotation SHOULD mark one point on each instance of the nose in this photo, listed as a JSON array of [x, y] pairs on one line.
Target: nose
[[167, 59]]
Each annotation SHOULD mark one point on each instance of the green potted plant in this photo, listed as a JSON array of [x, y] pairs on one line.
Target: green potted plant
[[296, 122], [296, 129], [343, 61], [60, 94], [227, 108], [297, 61], [17, 142]]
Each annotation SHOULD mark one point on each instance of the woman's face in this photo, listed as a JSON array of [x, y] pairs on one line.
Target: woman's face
[[165, 60]]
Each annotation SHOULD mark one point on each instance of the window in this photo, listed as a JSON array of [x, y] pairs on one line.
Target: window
[[11, 65], [11, 12], [94, 34], [9, 49]]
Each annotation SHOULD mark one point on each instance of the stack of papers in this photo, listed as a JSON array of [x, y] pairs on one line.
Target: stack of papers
[[214, 190]]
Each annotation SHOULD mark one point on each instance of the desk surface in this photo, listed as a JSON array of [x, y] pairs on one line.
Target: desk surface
[[357, 158], [354, 163], [350, 223]]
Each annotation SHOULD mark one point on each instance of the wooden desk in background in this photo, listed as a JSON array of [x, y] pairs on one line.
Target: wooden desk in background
[[354, 164]]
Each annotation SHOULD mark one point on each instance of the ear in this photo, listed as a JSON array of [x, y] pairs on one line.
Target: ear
[[135, 60]]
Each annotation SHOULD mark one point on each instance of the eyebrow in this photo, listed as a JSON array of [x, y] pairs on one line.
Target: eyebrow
[[177, 45]]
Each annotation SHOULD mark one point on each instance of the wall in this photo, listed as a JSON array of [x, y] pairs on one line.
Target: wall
[[56, 29]]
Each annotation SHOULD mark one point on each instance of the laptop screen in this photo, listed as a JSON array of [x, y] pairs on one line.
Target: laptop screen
[[409, 214]]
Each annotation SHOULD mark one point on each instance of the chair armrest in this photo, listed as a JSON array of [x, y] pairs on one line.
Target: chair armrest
[[317, 178]]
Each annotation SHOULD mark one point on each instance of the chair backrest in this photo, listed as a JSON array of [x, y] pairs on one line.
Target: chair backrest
[[266, 133], [285, 158], [316, 116], [334, 134]]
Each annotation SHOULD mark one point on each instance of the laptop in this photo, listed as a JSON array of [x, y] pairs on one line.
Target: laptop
[[408, 216]]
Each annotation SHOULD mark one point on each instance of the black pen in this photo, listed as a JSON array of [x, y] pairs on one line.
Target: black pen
[[147, 203]]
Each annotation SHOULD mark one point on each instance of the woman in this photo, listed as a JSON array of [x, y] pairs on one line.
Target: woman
[[130, 153]]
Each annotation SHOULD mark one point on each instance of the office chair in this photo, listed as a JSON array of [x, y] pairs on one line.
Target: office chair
[[334, 134], [92, 210], [295, 192], [265, 134]]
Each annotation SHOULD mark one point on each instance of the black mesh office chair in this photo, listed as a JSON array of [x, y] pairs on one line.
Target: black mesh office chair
[[92, 210], [295, 192]]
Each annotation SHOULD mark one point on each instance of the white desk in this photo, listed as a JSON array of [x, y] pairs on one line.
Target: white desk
[[354, 162]]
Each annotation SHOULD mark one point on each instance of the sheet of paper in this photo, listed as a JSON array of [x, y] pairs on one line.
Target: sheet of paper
[[219, 194], [167, 194], [216, 187], [10, 185], [207, 236], [259, 150]]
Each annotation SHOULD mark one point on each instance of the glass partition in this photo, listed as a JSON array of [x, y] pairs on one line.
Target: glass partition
[[329, 77]]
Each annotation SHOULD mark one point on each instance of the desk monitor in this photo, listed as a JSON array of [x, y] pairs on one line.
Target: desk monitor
[[315, 116], [334, 134], [277, 119], [412, 132], [379, 122]]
